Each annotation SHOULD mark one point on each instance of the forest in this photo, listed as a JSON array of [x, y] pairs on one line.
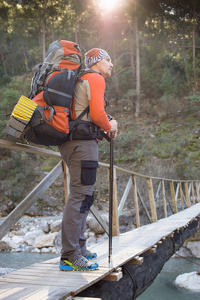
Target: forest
[[154, 87]]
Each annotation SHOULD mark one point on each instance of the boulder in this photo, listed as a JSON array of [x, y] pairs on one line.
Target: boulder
[[6, 244], [189, 281], [30, 236], [194, 247], [17, 239], [44, 226], [56, 226], [58, 240], [47, 240], [91, 241], [95, 226]]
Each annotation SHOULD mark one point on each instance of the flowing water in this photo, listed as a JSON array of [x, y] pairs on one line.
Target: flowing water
[[17, 260], [163, 288]]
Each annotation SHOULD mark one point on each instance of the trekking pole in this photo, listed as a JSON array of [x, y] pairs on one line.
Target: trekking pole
[[111, 198]]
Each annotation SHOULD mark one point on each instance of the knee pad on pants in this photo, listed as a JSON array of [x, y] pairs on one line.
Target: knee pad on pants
[[86, 204]]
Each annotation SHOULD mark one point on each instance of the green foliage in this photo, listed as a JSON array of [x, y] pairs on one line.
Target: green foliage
[[194, 98], [17, 176], [167, 82], [9, 96], [169, 106]]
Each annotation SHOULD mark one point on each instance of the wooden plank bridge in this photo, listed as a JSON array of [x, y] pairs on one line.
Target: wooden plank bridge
[[141, 251]]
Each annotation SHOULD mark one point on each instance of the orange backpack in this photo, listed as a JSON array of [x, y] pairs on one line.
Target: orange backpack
[[45, 117], [52, 89]]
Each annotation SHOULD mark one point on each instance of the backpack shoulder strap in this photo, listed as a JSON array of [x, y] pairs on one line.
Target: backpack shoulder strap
[[83, 72], [86, 110]]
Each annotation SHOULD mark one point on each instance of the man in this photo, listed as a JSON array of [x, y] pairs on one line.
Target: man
[[81, 156]]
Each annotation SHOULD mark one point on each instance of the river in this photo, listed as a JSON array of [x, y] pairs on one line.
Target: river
[[163, 287]]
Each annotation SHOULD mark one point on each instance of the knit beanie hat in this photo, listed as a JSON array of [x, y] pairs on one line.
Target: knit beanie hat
[[93, 56]]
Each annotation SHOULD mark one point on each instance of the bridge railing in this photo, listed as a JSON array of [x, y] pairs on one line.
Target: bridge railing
[[147, 198], [150, 198]]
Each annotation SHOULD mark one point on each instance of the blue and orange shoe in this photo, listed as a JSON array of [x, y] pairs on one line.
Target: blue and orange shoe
[[80, 264], [89, 255]]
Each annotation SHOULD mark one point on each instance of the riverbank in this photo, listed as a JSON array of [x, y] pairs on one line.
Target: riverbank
[[43, 235]]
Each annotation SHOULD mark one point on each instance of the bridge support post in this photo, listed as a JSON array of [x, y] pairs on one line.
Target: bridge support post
[[173, 197], [187, 194], [197, 191], [181, 195], [151, 199], [164, 198], [136, 201]]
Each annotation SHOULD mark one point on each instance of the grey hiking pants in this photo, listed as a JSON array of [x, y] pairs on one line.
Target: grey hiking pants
[[81, 157]]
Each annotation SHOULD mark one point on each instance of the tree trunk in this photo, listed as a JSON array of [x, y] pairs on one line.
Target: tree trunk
[[25, 56], [194, 65], [3, 62], [115, 78], [137, 108], [76, 30], [43, 31], [183, 52], [43, 41], [132, 61], [52, 26]]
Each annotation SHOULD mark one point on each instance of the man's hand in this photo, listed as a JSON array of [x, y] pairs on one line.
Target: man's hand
[[114, 128]]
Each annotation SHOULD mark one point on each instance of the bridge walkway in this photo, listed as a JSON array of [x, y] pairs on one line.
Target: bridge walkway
[[45, 281]]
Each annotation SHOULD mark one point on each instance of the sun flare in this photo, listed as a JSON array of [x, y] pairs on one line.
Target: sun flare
[[108, 4]]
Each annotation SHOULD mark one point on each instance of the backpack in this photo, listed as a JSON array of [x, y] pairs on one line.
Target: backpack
[[44, 117]]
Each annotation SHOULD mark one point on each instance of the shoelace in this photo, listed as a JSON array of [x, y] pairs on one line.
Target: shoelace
[[88, 253], [81, 262]]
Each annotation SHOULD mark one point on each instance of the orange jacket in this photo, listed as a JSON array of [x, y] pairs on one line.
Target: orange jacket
[[96, 102]]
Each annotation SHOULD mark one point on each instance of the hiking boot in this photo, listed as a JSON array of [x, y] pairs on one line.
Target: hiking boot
[[89, 255], [80, 264]]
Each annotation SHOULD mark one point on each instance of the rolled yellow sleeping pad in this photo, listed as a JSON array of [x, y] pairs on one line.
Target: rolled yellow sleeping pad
[[20, 117], [24, 108]]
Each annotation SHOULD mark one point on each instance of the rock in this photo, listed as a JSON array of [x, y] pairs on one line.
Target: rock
[[126, 218], [90, 234], [45, 250], [33, 211], [89, 217], [44, 226], [90, 241], [6, 244], [58, 240], [56, 226], [49, 201], [95, 226], [3, 210], [194, 247], [36, 250], [30, 236], [184, 252], [189, 281], [17, 239], [102, 238], [46, 240], [53, 250]]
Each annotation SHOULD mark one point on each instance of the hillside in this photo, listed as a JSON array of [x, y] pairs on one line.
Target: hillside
[[163, 142]]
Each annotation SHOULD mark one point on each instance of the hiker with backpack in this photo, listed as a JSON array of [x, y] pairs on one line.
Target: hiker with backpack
[[49, 117], [81, 155]]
